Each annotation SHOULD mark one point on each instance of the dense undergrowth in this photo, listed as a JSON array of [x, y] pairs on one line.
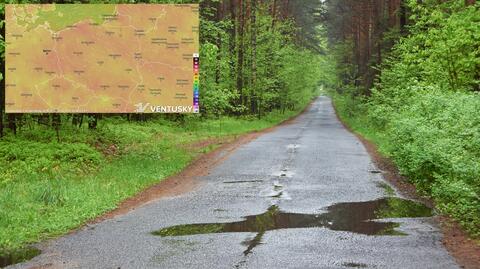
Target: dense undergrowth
[[424, 109]]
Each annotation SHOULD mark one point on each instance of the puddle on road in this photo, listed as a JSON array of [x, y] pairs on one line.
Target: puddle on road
[[356, 217], [354, 264], [18, 256], [283, 174]]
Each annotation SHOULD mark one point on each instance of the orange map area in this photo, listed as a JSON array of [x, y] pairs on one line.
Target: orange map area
[[100, 58]]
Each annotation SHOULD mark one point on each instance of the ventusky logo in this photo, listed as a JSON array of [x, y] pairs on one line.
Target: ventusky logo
[[141, 107]]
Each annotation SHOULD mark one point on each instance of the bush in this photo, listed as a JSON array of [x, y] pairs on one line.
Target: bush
[[435, 141], [29, 159]]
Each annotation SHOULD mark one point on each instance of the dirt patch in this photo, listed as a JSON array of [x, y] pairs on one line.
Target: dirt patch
[[463, 248], [466, 251], [107, 150], [205, 143]]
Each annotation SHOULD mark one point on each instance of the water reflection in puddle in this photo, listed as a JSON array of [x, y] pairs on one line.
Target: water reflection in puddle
[[356, 217]]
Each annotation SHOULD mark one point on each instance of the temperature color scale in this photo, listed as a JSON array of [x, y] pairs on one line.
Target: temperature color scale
[[196, 60]]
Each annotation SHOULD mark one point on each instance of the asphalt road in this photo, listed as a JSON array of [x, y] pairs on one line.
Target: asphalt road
[[295, 174]]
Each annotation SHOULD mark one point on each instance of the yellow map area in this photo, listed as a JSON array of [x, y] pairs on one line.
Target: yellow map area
[[90, 58]]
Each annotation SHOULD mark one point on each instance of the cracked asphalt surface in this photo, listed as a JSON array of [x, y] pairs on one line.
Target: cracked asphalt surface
[[302, 167]]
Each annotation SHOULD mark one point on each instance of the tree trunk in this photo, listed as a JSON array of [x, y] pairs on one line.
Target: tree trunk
[[241, 43], [81, 121], [253, 43], [403, 16], [274, 14], [92, 121], [470, 2], [2, 101], [1, 120], [12, 123], [287, 9], [56, 121], [233, 38], [219, 43]]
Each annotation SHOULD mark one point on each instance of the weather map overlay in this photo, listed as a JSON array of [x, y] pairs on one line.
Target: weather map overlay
[[102, 58]]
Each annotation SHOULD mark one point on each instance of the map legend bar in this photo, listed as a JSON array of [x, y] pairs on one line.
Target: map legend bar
[[196, 61]]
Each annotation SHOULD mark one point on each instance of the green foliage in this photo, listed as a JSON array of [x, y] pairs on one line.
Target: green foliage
[[51, 193], [436, 142], [423, 112], [299, 76], [217, 99], [442, 49], [20, 158]]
